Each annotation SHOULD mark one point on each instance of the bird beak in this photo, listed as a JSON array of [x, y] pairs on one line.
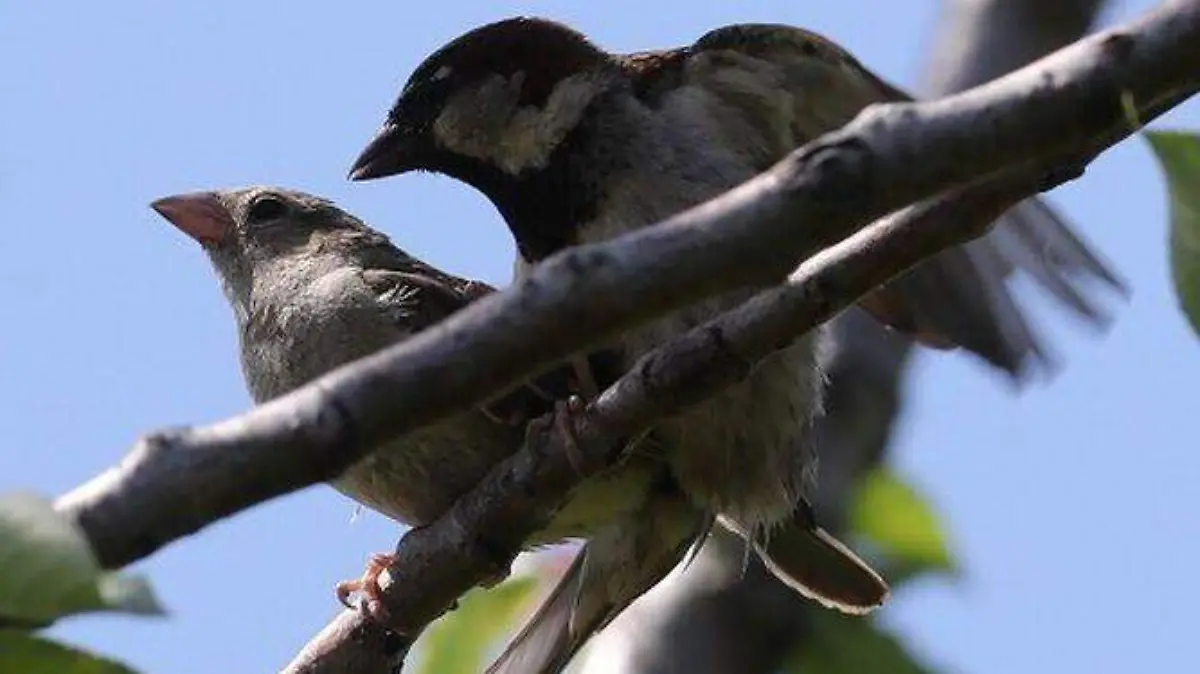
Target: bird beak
[[390, 152], [200, 215]]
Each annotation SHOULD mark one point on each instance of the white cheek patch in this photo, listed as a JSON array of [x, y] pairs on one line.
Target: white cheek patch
[[485, 122]]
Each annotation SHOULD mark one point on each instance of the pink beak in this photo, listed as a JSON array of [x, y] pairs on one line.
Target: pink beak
[[200, 215]]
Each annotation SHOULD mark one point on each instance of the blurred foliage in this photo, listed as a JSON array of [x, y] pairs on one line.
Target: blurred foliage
[[900, 527], [1179, 155], [899, 524], [50, 573], [29, 654], [49, 569], [842, 644], [460, 641]]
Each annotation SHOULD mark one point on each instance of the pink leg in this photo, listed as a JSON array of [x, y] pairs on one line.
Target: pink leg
[[368, 585]]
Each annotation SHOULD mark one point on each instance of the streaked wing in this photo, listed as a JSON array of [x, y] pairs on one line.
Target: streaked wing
[[763, 76]]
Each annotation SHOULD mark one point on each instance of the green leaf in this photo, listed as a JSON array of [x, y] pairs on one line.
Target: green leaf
[[29, 654], [459, 642], [49, 569], [901, 525], [842, 644], [1179, 155]]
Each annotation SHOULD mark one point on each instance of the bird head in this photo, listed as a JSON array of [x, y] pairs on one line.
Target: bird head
[[247, 231], [498, 99]]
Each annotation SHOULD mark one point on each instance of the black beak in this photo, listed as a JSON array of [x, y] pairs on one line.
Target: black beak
[[392, 151]]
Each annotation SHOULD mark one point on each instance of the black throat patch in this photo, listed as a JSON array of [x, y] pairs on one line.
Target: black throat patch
[[544, 207]]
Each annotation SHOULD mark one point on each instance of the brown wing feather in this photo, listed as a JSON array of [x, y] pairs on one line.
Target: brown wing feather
[[427, 295], [734, 60], [958, 298]]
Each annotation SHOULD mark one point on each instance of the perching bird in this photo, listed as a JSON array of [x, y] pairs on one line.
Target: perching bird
[[573, 145], [313, 288]]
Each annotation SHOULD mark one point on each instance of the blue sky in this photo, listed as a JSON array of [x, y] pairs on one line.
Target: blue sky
[[1072, 506]]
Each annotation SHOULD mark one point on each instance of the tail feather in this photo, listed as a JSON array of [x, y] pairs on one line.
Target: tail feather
[[817, 565], [820, 567], [612, 570], [545, 643]]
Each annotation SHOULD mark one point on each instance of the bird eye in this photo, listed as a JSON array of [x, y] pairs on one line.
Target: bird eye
[[265, 208]]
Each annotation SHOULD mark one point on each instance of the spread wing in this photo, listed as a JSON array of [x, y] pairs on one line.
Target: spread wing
[[765, 77]]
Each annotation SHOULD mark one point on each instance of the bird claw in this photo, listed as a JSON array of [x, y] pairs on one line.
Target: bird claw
[[561, 419], [368, 586], [564, 422]]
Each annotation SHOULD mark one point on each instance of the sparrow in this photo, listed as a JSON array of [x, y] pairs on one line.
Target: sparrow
[[312, 287], [575, 145]]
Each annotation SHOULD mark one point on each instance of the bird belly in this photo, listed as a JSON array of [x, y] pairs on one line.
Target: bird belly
[[415, 478], [414, 481], [747, 452]]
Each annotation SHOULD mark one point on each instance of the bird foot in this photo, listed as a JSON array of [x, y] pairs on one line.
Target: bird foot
[[562, 420], [368, 586]]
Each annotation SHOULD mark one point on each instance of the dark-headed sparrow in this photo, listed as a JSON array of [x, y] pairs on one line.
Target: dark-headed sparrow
[[573, 145]]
